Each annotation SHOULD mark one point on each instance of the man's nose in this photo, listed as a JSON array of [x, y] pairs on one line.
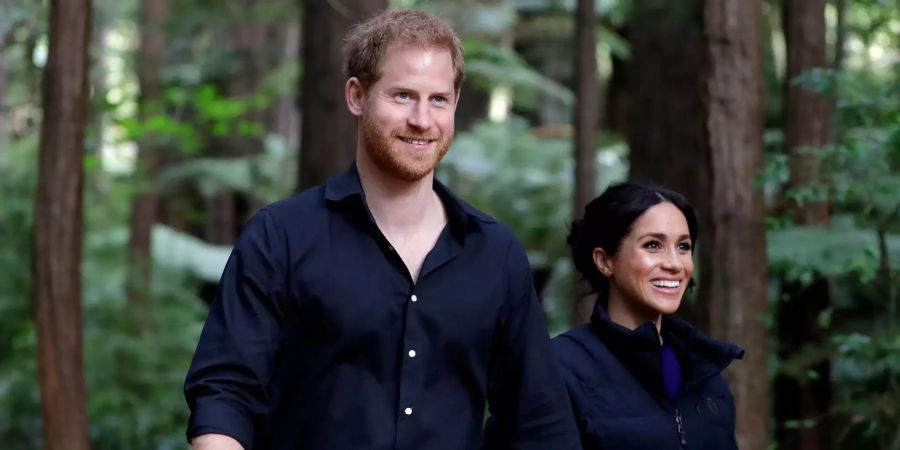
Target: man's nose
[[420, 116]]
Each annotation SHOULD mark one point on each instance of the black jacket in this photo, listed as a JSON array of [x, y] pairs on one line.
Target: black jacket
[[614, 379]]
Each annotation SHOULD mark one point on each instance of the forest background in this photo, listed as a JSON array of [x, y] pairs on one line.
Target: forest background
[[137, 136]]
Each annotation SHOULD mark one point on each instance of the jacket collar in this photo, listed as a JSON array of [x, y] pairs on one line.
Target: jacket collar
[[346, 188], [639, 350]]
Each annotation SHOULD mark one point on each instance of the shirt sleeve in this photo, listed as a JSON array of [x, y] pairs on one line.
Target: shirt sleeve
[[226, 385], [526, 395]]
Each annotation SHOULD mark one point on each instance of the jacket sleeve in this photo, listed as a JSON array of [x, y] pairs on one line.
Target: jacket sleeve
[[526, 395], [226, 386]]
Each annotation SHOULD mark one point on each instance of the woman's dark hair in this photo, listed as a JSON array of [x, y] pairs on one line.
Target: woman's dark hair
[[608, 219]]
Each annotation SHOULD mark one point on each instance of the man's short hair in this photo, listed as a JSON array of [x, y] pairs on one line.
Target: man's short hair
[[365, 45]]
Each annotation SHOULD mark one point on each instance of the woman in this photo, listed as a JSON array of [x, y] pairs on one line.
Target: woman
[[638, 377]]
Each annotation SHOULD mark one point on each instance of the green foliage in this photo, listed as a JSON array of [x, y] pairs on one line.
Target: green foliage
[[489, 65], [858, 252], [204, 113], [802, 253], [518, 177], [20, 416], [525, 181], [133, 379], [267, 176], [618, 46], [868, 372]]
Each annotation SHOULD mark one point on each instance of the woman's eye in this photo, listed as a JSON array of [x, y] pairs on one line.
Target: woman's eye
[[685, 246], [653, 245]]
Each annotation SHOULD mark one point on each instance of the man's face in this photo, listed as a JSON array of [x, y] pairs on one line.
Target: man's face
[[407, 122]]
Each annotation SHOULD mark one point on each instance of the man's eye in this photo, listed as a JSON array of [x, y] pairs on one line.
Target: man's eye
[[439, 99], [403, 96]]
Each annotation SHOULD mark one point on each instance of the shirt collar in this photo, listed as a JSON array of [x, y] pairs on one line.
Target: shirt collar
[[639, 349], [460, 215]]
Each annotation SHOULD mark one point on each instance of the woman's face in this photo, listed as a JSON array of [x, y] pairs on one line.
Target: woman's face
[[653, 265]]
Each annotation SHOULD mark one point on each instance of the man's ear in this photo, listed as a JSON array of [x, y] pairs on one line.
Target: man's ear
[[355, 95], [603, 262]]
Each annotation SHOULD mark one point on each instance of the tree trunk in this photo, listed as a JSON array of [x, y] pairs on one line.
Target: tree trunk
[[145, 207], [806, 398], [287, 116], [58, 228], [696, 126], [617, 107], [258, 49], [806, 114], [666, 126], [221, 223], [806, 130], [735, 284], [328, 131], [586, 107], [837, 63], [255, 48], [840, 37], [586, 118], [97, 117], [5, 126]]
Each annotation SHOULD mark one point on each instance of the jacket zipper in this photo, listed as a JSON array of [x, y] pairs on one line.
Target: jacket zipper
[[680, 425]]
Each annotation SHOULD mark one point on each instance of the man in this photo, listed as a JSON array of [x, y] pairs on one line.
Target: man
[[378, 311]]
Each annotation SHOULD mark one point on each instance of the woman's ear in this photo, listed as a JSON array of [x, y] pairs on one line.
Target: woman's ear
[[355, 95], [603, 262]]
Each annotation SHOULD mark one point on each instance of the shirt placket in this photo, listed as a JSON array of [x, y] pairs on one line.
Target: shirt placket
[[410, 408], [407, 416]]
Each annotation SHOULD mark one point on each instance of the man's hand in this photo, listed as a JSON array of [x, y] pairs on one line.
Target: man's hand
[[215, 442]]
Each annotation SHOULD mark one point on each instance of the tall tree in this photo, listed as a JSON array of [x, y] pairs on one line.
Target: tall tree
[[806, 113], [284, 116], [735, 281], [145, 208], [6, 39], [58, 228], [696, 125], [586, 118], [666, 129], [4, 119], [251, 46], [840, 38], [328, 131], [806, 131]]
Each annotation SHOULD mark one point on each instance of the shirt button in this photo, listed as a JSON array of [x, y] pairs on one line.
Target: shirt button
[[414, 298], [390, 248], [412, 353], [408, 411]]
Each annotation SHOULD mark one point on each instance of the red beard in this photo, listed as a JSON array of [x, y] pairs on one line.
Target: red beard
[[383, 149]]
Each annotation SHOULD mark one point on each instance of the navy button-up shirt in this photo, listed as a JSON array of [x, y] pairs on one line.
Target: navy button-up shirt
[[320, 339]]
